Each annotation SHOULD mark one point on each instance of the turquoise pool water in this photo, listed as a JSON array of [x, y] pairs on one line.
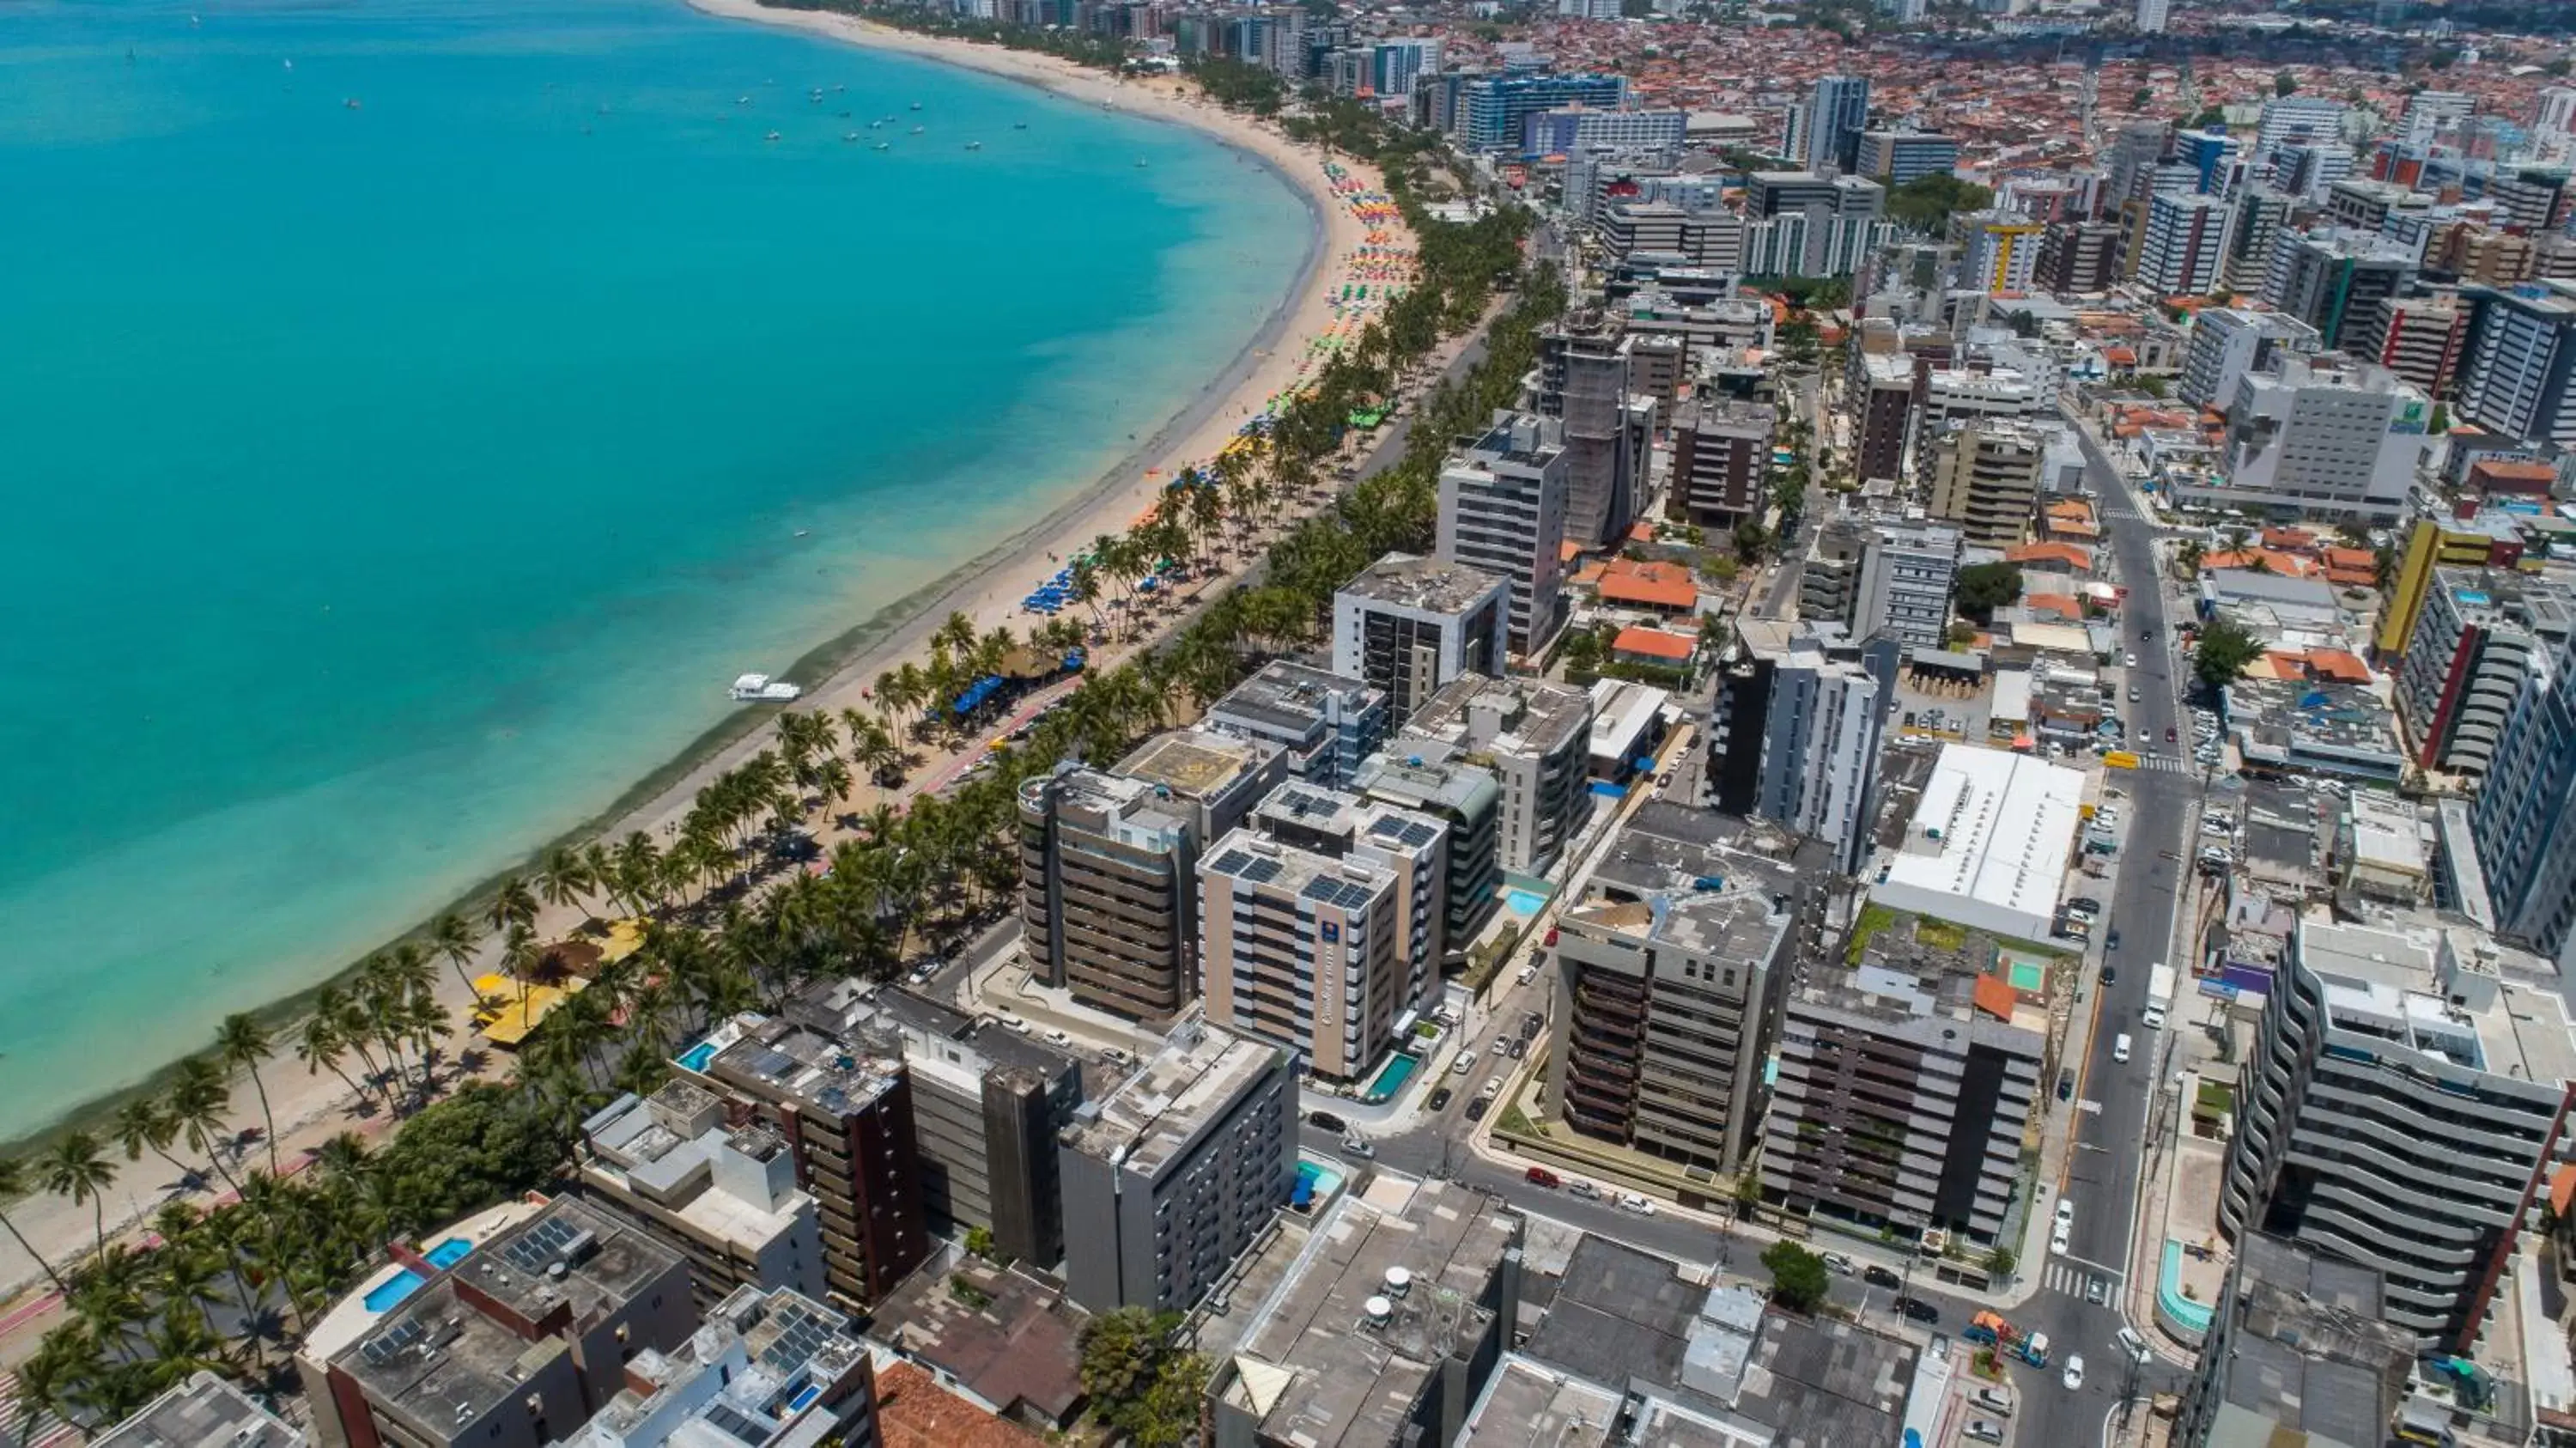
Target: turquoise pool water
[[1523, 903], [1321, 1180], [1392, 1076], [697, 1056], [2169, 1299], [386, 1294], [448, 1253]]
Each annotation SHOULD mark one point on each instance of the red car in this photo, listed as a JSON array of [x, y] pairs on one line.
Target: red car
[[1540, 1176], [2169, 734]]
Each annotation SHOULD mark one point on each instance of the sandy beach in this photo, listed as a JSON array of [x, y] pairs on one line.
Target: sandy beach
[[309, 1107]]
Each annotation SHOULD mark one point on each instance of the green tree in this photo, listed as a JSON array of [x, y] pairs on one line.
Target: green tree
[[1926, 203], [2224, 653], [13, 1185], [2441, 421], [1752, 540], [979, 1240], [1124, 1354], [2001, 1262], [2284, 84], [1799, 1279], [77, 1169], [1985, 587], [243, 1044]]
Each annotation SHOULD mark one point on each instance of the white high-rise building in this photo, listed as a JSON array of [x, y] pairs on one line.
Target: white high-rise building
[[1906, 574], [2186, 240], [2152, 15], [2319, 436], [1502, 511]]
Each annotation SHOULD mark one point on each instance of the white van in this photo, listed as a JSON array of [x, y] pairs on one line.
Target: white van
[[2120, 1048], [2153, 1017]]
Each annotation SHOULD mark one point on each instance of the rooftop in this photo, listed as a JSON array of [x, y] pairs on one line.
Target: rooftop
[[1171, 1098], [1991, 827], [1619, 1314], [1289, 698], [1435, 786], [1017, 1347], [783, 1060], [1385, 1287], [2419, 989], [2308, 1350], [1196, 763], [439, 1359], [1527, 1405], [1301, 873], [914, 1411], [1425, 584], [733, 1184], [748, 1376], [1505, 716], [1130, 811], [203, 1412], [1716, 887]]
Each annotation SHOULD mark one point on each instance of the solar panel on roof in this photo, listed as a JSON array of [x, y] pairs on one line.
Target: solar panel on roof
[[735, 1425], [545, 1242], [1229, 862]]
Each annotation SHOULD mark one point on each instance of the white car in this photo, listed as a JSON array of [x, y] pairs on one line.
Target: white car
[[1993, 1401], [2129, 661], [1631, 1202], [1838, 1263], [2073, 1377], [1353, 1146], [1981, 1430], [2066, 1211]]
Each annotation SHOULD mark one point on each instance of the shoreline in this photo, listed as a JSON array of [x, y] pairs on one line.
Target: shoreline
[[985, 587]]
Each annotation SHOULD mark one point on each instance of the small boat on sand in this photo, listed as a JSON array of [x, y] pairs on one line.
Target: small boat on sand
[[762, 689]]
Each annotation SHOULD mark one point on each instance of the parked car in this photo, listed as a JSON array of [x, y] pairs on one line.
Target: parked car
[[1353, 1146], [1477, 1108], [1918, 1310], [2111, 972], [1519, 1047], [2133, 693], [1877, 1276], [1631, 1202], [1982, 1430], [1993, 1400], [1326, 1121], [2169, 734], [1540, 1176], [2129, 661], [2066, 1084], [1441, 1098], [1465, 1064], [1583, 1189], [2094, 1292], [2085, 907], [2110, 941]]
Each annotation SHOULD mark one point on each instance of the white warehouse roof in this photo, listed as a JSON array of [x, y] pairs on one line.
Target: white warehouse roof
[[1989, 843]]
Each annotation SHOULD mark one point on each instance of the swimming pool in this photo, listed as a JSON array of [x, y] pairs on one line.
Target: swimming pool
[[386, 1295], [1391, 1077], [697, 1056], [1523, 903], [448, 1253]]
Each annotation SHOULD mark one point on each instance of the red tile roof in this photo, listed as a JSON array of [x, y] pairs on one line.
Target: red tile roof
[[914, 1411], [1656, 585], [1653, 643]]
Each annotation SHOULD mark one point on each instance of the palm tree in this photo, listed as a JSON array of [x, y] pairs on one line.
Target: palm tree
[[199, 1096], [243, 1043], [512, 904], [562, 879], [77, 1168], [320, 1044], [142, 1124], [452, 937], [13, 1185]]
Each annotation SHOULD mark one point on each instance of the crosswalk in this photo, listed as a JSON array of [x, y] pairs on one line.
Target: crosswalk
[[2078, 1281], [2167, 763], [17, 1432]]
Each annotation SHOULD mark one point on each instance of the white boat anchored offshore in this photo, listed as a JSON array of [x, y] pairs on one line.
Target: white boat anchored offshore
[[762, 689]]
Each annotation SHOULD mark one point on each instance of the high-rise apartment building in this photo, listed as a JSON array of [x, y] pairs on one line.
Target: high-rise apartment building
[[2079, 256], [986, 1105], [2423, 343], [2297, 1351], [1469, 800], [2478, 636], [2184, 241], [1886, 415], [1408, 625], [1900, 158], [1300, 949], [2400, 1108], [1584, 383], [1172, 1175], [1216, 777], [1503, 500], [2226, 343], [2318, 436], [1326, 722], [1827, 130], [1570, 130], [1410, 845], [1105, 866], [723, 1196], [1985, 478], [1493, 111], [2525, 818], [1536, 737], [846, 1114], [1668, 976], [1721, 455], [1998, 251], [2152, 15], [1906, 1088], [2521, 349], [2338, 282], [1906, 575], [2257, 218], [1794, 734]]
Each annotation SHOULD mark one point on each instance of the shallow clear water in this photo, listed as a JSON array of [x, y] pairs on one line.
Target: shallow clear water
[[389, 487]]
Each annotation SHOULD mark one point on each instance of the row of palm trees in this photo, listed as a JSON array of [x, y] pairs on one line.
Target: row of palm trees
[[218, 1288]]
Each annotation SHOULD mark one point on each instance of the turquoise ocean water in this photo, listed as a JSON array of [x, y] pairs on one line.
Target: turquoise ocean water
[[384, 489]]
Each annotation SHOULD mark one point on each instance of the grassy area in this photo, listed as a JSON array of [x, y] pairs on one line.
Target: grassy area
[[1874, 918], [2216, 1099]]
